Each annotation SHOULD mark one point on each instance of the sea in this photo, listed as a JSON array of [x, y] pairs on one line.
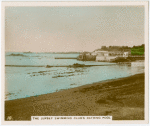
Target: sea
[[23, 82]]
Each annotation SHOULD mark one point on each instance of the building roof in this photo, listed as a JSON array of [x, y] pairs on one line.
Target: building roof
[[101, 51]]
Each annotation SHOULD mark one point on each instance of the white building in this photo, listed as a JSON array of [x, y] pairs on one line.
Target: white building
[[101, 55], [104, 56], [93, 53], [125, 54]]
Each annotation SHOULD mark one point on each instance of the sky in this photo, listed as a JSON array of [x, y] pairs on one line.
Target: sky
[[64, 29]]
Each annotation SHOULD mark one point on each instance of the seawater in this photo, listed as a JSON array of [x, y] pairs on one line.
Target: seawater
[[22, 82]]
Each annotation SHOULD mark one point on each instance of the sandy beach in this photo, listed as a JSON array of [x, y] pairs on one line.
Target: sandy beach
[[121, 98]]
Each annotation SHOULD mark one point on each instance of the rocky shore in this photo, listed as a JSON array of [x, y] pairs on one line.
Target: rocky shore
[[121, 98]]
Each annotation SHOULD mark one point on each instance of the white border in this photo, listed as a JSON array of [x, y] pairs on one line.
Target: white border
[[4, 4]]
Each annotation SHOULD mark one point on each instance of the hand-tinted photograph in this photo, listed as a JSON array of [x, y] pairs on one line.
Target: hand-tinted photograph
[[74, 61]]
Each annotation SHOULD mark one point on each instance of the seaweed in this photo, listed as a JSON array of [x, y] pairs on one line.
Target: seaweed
[[17, 55]]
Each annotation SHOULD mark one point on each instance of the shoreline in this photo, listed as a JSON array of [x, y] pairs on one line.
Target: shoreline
[[76, 88], [123, 98]]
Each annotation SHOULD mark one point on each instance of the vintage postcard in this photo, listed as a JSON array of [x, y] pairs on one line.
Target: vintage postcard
[[74, 63]]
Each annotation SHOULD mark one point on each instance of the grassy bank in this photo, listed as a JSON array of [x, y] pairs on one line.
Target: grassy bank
[[122, 98]]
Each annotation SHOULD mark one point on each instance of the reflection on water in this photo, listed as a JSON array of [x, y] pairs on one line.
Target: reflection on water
[[24, 82]]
